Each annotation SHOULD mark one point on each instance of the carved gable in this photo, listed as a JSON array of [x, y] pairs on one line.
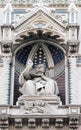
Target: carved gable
[[40, 19]]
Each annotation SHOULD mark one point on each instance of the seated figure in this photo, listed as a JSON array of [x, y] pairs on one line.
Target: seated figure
[[35, 82]]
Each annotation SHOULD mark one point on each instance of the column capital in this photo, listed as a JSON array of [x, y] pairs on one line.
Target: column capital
[[73, 25], [7, 25]]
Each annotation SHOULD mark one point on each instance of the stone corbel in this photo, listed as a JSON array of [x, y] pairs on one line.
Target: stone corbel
[[73, 122], [45, 123], [6, 47], [4, 122], [73, 46], [18, 123], [59, 123], [31, 123]]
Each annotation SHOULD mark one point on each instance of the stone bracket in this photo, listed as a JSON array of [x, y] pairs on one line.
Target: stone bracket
[[73, 46], [4, 122], [31, 123], [73, 122], [59, 123], [18, 123], [6, 47], [45, 123]]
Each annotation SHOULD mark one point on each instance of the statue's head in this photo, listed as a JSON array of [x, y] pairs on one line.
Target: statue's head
[[41, 68]]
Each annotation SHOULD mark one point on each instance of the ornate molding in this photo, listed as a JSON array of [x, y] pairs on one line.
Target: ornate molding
[[31, 2]]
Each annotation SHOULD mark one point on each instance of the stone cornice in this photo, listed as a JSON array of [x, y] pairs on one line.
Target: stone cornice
[[71, 118], [56, 3]]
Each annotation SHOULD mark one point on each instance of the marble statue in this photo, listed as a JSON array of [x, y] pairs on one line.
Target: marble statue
[[35, 82]]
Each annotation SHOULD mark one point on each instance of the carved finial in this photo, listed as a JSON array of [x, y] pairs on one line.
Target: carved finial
[[8, 7], [72, 6]]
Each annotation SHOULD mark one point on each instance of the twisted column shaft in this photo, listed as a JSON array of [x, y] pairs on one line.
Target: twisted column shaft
[[5, 82], [72, 80]]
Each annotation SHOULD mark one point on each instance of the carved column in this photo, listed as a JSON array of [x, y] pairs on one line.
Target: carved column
[[6, 54], [72, 53], [5, 80], [79, 79], [66, 80], [72, 70], [12, 80], [72, 80]]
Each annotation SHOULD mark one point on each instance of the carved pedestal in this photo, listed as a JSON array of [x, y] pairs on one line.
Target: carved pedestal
[[45, 104]]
